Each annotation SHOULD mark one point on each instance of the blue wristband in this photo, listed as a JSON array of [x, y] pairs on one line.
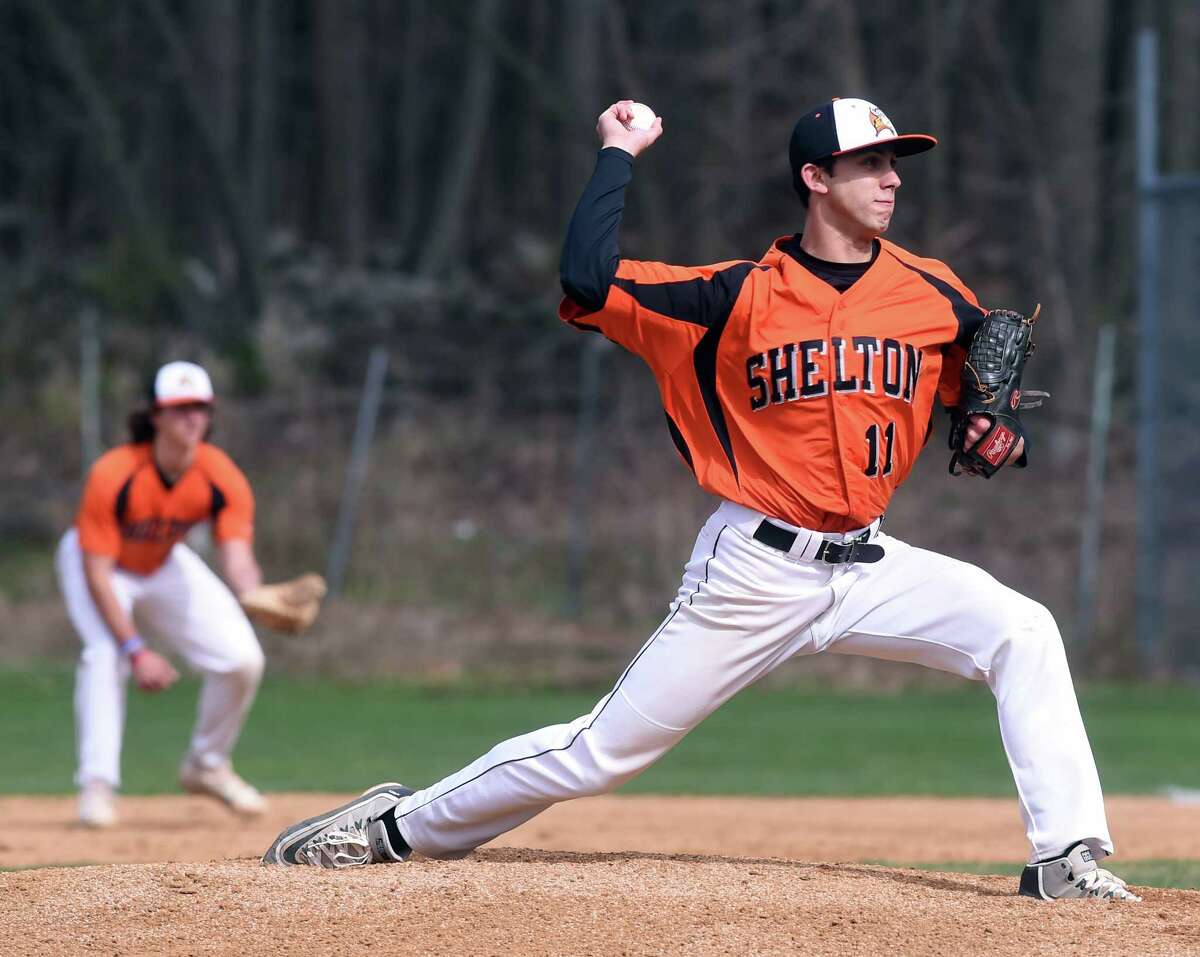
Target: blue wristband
[[131, 646]]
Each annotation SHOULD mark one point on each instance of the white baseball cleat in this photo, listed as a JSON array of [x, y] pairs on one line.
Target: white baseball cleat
[[97, 807], [1074, 875], [223, 783], [349, 835]]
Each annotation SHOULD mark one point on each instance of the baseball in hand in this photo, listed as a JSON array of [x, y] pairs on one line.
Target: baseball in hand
[[643, 118]]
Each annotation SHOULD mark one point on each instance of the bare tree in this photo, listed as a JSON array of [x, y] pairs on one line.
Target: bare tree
[[340, 44], [473, 116], [631, 81], [216, 24], [937, 100], [1067, 113], [219, 172], [848, 58], [261, 141], [744, 51], [1182, 128], [411, 113], [101, 112], [1025, 140]]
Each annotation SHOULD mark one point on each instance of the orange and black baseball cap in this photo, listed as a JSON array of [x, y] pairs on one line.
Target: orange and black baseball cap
[[844, 126]]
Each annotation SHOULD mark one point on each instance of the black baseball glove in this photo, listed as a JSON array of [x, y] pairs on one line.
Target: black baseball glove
[[991, 386]]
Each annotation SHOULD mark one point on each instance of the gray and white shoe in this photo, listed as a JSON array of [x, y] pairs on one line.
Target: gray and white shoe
[[1074, 875], [346, 836]]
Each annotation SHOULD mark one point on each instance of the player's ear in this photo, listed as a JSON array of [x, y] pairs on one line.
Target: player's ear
[[815, 178]]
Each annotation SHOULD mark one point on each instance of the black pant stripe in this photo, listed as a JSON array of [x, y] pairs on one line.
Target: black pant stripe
[[611, 695]]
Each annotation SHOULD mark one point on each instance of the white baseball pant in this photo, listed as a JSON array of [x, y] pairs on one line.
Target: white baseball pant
[[186, 605], [742, 609]]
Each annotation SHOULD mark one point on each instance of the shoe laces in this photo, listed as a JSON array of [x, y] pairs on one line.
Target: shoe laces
[[1105, 885], [338, 847]]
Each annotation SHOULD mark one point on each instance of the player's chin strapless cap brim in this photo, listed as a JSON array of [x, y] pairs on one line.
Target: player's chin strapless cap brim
[[186, 400], [848, 125], [908, 144]]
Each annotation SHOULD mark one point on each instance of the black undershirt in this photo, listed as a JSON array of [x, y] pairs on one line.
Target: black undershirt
[[839, 275]]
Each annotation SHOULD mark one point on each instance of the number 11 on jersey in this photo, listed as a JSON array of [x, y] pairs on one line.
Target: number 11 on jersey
[[889, 437]]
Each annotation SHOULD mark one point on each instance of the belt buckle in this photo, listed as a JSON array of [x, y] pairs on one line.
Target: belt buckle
[[846, 550], [826, 553]]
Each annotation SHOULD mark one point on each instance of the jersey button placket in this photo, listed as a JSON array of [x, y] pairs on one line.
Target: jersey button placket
[[834, 327]]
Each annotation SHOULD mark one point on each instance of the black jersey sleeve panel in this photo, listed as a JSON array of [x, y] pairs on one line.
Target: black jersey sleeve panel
[[680, 442], [701, 302], [969, 315], [970, 318], [704, 357], [590, 253], [121, 506], [218, 500], [704, 360]]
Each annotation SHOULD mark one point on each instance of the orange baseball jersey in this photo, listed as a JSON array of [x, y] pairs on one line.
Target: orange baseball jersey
[[130, 511], [783, 394]]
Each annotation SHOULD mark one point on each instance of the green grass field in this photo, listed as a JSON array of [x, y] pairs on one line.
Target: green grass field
[[326, 736], [306, 735]]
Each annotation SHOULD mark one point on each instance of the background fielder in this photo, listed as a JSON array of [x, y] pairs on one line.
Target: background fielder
[[798, 389], [125, 558]]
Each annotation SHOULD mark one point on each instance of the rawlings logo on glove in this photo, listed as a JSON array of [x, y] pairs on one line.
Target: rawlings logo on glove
[[1000, 446], [289, 606], [991, 387]]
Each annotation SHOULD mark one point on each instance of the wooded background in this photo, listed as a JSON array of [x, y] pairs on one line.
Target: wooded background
[[272, 187]]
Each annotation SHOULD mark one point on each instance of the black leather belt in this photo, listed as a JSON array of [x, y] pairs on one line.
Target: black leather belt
[[833, 553]]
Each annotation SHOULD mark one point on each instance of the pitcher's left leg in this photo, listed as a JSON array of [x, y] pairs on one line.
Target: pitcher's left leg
[[739, 612], [922, 607]]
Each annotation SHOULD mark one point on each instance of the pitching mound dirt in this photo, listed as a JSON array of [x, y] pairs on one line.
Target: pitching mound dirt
[[646, 876], [552, 902]]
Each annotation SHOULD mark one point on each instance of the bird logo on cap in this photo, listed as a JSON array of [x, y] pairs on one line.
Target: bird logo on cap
[[881, 123]]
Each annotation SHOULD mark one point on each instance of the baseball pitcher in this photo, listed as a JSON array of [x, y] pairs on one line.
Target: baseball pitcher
[[799, 390]]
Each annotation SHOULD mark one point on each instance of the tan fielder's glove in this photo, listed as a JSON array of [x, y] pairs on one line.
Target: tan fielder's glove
[[288, 606]]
